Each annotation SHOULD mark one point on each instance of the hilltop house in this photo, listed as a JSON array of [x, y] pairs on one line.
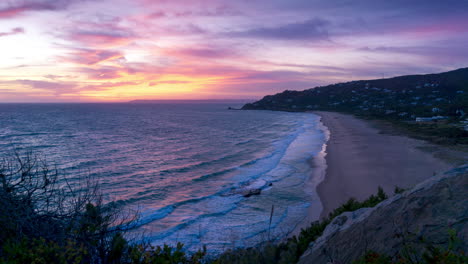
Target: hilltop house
[[430, 119], [423, 119]]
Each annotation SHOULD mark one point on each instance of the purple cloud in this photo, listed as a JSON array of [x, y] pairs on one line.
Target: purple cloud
[[17, 7], [210, 52], [92, 57], [107, 85], [104, 73], [312, 29], [101, 38], [56, 86], [442, 53], [220, 11], [14, 31]]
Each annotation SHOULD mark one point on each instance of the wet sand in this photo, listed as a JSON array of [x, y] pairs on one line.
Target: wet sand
[[360, 159]]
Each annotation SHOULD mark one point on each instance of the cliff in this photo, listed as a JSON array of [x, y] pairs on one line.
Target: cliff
[[428, 212]]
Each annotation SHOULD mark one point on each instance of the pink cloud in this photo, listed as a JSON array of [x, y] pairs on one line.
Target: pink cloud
[[105, 73], [450, 26], [101, 38], [56, 86], [93, 57], [107, 85], [209, 52], [167, 82]]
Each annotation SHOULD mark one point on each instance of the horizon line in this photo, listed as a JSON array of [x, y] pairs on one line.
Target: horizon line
[[132, 101]]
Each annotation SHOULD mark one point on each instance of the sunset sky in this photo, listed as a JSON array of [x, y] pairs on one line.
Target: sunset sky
[[121, 50]]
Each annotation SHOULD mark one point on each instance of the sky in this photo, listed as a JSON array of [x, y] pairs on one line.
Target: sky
[[122, 50]]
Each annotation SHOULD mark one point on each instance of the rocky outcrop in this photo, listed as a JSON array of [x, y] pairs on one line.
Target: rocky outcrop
[[248, 193], [427, 211]]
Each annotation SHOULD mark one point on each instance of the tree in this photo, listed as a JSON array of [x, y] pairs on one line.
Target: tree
[[39, 208]]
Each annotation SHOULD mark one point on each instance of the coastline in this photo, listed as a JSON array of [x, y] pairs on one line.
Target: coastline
[[359, 159], [318, 165]]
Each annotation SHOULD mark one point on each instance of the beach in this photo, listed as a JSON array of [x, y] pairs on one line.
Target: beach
[[360, 159]]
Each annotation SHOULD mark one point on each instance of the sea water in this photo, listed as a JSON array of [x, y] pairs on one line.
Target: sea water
[[185, 167]]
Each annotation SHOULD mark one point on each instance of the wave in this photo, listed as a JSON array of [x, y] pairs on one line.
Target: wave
[[247, 176], [189, 222], [188, 174], [194, 166]]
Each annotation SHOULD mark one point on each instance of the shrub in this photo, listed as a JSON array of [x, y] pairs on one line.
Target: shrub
[[291, 250], [43, 219], [429, 254]]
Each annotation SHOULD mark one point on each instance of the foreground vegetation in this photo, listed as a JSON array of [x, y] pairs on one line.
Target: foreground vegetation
[[291, 250], [46, 219], [412, 253]]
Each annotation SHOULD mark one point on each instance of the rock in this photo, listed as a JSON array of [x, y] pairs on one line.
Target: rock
[[250, 192], [341, 220], [427, 211]]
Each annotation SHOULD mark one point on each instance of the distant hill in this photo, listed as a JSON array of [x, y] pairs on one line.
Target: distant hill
[[404, 98]]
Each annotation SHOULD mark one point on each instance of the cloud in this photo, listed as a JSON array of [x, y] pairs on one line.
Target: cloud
[[13, 31], [18, 7], [107, 85], [55, 88], [46, 85], [442, 53], [97, 31], [104, 73], [156, 15], [270, 76], [101, 38], [209, 52], [93, 57], [167, 82], [56, 77], [312, 29], [220, 11], [186, 29]]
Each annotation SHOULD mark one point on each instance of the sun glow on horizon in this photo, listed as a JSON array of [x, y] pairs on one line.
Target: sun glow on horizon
[[61, 51]]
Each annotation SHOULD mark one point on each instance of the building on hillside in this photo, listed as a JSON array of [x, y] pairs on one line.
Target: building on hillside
[[424, 119]]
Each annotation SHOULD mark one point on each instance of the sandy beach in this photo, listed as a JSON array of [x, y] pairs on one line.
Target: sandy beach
[[360, 159]]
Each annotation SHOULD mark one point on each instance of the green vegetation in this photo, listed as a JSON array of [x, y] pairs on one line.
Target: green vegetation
[[44, 219], [291, 250], [413, 254], [398, 190], [399, 100]]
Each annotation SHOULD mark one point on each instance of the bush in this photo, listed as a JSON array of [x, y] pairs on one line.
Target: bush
[[430, 254], [44, 219], [291, 250]]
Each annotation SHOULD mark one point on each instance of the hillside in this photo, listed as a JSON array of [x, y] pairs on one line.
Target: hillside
[[402, 226], [438, 103]]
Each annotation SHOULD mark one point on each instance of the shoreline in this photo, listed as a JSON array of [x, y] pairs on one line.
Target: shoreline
[[360, 158]]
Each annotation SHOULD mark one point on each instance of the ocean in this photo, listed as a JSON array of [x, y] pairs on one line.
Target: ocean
[[183, 166]]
